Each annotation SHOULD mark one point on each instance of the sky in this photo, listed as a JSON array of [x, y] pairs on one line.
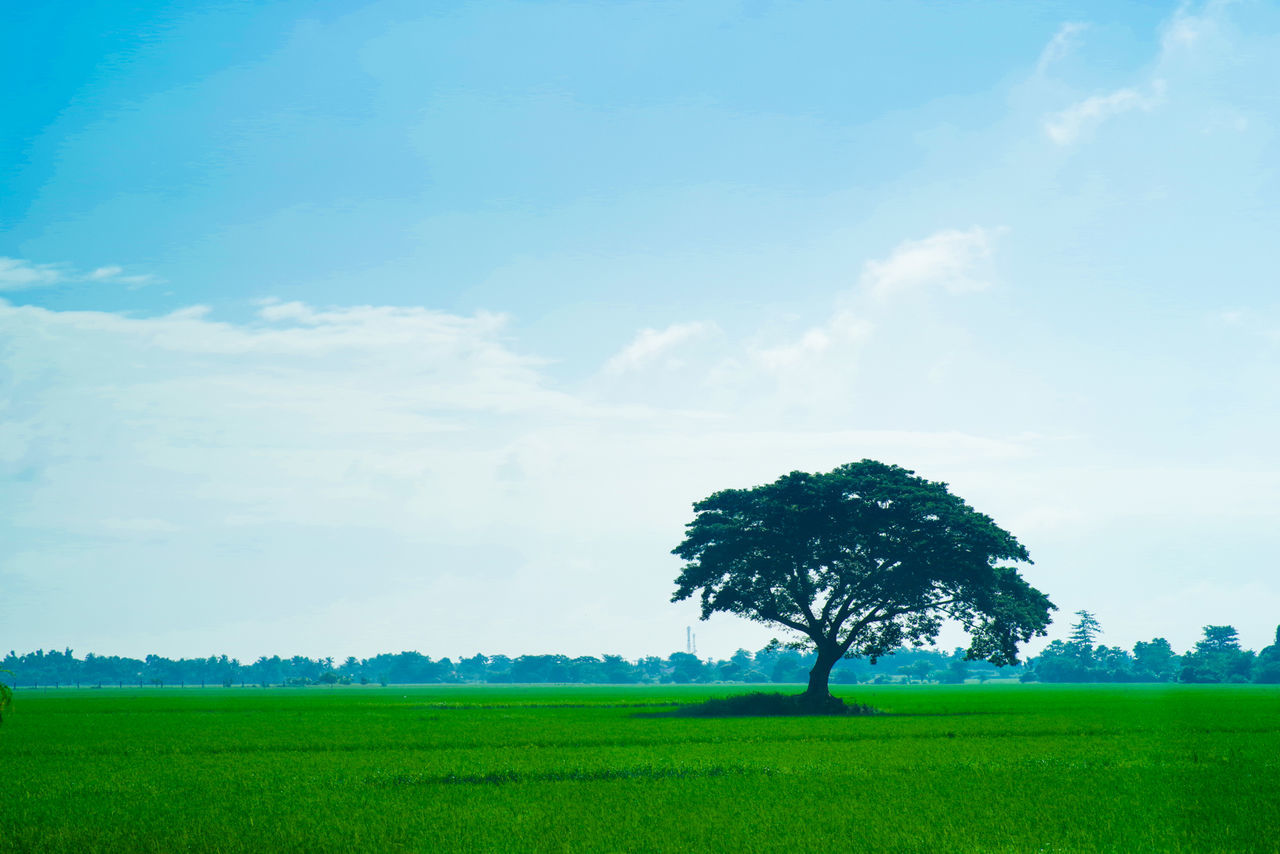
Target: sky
[[335, 328]]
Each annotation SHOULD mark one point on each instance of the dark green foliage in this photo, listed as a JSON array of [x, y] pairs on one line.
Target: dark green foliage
[[1060, 662], [1267, 668], [1078, 660], [6, 697], [860, 561], [1150, 661], [1155, 660], [1085, 630], [1217, 658], [957, 671], [773, 664]]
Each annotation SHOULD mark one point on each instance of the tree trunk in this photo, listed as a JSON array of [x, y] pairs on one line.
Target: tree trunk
[[817, 697], [820, 676]]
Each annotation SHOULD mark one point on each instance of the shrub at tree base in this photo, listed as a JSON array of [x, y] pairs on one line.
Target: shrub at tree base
[[771, 704]]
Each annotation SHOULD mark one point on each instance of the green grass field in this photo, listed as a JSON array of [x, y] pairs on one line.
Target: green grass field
[[965, 768]]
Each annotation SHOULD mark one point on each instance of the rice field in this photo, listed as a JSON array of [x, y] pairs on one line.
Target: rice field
[[548, 768]]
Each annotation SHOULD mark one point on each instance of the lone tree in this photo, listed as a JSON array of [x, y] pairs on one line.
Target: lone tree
[[859, 561]]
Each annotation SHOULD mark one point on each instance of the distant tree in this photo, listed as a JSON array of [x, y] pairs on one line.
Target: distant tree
[[1083, 633], [303, 670], [686, 667], [859, 561], [473, 669], [921, 668], [267, 671], [736, 667], [1217, 657], [1078, 660], [1267, 668], [351, 669], [652, 668], [618, 671], [727, 671], [228, 670], [1155, 660], [160, 671], [540, 668], [789, 666], [957, 670], [1219, 639], [587, 669], [6, 695], [1061, 662], [1113, 664], [499, 669]]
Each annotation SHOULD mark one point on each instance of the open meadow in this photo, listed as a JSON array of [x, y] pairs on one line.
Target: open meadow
[[958, 768]]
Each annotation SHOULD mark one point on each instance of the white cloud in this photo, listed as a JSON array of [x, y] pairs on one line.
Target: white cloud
[[19, 274], [1068, 126], [947, 258], [16, 274], [653, 345], [102, 273], [822, 369], [371, 449], [1064, 41], [401, 458], [1184, 30], [816, 345]]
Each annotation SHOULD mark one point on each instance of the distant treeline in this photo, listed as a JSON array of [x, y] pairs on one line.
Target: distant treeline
[[1216, 658], [774, 663]]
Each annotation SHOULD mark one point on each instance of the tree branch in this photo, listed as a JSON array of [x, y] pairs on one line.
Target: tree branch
[[789, 623], [850, 599], [869, 618], [804, 600], [874, 616]]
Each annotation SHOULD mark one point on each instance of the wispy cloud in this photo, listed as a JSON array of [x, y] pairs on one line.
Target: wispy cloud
[[116, 275], [820, 368], [834, 341], [402, 441], [19, 274], [1064, 41], [947, 259], [652, 346], [1185, 29], [1068, 126]]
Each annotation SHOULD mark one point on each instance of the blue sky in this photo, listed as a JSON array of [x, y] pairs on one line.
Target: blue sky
[[338, 328]]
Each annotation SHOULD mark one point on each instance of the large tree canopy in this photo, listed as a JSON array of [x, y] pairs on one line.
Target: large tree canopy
[[859, 561]]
